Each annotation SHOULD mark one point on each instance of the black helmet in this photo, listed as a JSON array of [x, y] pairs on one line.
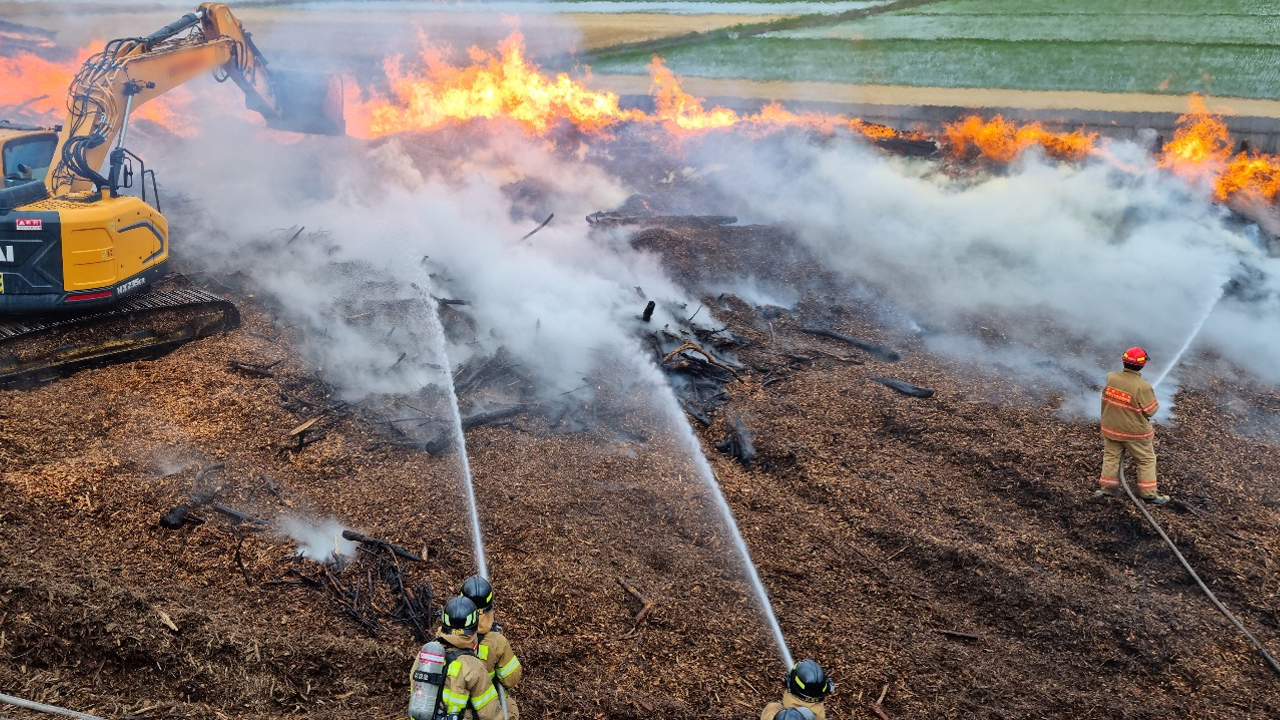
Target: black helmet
[[794, 714], [459, 617], [807, 681], [479, 591]]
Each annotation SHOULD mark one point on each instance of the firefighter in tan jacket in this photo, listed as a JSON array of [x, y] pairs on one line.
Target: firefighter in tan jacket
[[1128, 402], [494, 648], [807, 686], [467, 693]]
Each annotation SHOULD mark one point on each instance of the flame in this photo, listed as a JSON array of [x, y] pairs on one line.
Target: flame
[[1001, 140], [507, 85], [1200, 142], [34, 89], [1250, 176], [494, 86], [1201, 150], [678, 109], [873, 129], [34, 86]]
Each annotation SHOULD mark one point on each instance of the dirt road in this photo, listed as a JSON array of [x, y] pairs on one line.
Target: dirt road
[[900, 95]]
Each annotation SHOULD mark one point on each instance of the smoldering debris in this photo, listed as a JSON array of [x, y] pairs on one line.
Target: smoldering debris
[[739, 441], [318, 541], [384, 592]]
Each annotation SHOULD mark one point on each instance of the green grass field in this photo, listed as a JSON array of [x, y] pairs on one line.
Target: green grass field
[[1218, 47]]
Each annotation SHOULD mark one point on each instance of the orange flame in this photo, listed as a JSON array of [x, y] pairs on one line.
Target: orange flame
[[34, 86], [1250, 176], [506, 86], [678, 109], [1201, 148], [1001, 140], [1200, 142], [35, 89]]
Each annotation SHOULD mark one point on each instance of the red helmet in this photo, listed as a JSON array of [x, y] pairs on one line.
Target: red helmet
[[1135, 356]]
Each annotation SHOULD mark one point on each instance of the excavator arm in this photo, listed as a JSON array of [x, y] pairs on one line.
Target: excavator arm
[[131, 71]]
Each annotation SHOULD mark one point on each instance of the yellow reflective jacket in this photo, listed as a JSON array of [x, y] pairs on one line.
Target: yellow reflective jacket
[[1127, 403], [792, 701], [467, 687], [499, 659]]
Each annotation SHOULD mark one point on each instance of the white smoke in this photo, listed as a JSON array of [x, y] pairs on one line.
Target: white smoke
[[320, 541], [1064, 264], [397, 219], [1074, 262]]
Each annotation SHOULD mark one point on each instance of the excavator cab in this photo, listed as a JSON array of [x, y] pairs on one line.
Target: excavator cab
[[26, 153]]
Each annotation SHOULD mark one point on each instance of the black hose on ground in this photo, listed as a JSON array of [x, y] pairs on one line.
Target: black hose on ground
[[1212, 598]]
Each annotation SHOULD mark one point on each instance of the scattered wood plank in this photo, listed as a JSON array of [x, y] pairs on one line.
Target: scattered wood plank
[[646, 605], [531, 232], [490, 417], [354, 536], [879, 352], [903, 387], [695, 413], [304, 426], [238, 516], [693, 347], [251, 369], [878, 706]]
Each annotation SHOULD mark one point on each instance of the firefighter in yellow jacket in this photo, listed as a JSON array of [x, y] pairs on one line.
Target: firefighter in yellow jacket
[[807, 686], [467, 693], [493, 647], [1128, 402]]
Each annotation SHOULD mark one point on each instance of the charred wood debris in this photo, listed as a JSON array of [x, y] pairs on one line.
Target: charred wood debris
[[380, 595], [376, 588], [373, 589], [701, 363]]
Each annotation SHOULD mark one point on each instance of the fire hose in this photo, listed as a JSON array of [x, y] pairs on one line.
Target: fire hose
[[38, 707], [1271, 662]]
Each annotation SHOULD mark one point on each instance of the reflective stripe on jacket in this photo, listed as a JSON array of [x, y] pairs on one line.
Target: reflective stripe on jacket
[[499, 659], [1127, 403], [792, 701], [467, 685]]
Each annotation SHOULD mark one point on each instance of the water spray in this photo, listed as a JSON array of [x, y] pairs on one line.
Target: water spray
[[442, 359], [1186, 345], [709, 479]]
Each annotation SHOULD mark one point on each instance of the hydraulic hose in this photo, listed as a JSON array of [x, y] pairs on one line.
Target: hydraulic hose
[[1271, 662]]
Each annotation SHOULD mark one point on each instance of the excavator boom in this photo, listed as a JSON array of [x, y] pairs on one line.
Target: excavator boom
[[71, 242], [131, 71]]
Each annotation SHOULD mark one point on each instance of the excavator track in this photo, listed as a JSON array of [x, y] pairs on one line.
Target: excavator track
[[201, 314]]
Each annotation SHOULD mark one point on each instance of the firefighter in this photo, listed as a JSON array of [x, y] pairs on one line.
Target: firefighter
[[1128, 402], [493, 647], [794, 714], [467, 691], [806, 686]]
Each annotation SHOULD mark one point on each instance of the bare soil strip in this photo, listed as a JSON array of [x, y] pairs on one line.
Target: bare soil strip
[[827, 92]]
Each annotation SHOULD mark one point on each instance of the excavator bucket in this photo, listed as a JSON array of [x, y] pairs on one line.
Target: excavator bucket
[[309, 102]]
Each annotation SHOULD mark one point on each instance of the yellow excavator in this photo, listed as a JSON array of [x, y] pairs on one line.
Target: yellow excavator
[[74, 247]]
